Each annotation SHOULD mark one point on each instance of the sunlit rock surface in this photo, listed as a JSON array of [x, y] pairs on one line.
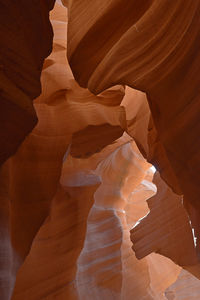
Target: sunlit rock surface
[[82, 214], [151, 46]]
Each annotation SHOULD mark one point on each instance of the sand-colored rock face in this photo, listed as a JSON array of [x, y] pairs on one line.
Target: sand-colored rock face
[[186, 287], [173, 237], [82, 214], [151, 46], [97, 262]]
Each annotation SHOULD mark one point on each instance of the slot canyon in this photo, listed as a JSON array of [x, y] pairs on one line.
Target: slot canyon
[[100, 150]]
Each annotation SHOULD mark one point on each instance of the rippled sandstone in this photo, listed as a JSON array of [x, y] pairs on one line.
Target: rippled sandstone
[[82, 215]]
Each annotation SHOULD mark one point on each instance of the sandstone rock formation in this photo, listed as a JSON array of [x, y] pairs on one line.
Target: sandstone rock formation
[[24, 26], [173, 237], [82, 214], [186, 287], [151, 46]]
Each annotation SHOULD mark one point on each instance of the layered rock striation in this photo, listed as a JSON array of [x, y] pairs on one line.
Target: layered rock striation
[[82, 214]]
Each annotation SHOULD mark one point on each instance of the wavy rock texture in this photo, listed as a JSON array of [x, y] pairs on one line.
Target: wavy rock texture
[[78, 183], [106, 267], [26, 40], [151, 46], [61, 114], [173, 237], [34, 172], [141, 127]]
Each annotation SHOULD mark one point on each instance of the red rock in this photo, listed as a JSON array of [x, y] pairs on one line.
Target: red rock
[[24, 26], [79, 182]]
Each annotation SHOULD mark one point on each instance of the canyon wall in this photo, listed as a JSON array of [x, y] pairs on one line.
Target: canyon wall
[[91, 97]]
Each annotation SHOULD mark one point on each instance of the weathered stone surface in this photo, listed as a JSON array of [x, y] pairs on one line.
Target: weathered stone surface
[[25, 41], [106, 267], [151, 46], [186, 287], [78, 183], [166, 229], [63, 109]]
